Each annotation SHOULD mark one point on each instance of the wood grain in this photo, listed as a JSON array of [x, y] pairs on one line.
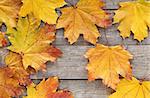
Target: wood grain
[[84, 89], [110, 34]]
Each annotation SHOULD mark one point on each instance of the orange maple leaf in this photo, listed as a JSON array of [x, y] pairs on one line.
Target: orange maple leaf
[[108, 63], [82, 19], [14, 62], [47, 89], [9, 82], [13, 78]]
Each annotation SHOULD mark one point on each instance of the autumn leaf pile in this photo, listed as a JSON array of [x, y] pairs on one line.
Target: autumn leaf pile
[[31, 27]]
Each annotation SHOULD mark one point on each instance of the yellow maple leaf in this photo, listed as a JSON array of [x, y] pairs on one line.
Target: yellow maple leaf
[[42, 9], [47, 89], [107, 63], [133, 16], [132, 89], [33, 43], [82, 19], [9, 10]]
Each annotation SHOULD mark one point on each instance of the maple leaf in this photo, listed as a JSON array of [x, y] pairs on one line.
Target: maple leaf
[[9, 10], [33, 44], [82, 19], [3, 40], [9, 83], [13, 78], [107, 63], [47, 89], [132, 89], [3, 93], [42, 9], [14, 62], [133, 16]]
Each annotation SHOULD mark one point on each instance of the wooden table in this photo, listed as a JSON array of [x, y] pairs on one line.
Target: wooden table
[[70, 68]]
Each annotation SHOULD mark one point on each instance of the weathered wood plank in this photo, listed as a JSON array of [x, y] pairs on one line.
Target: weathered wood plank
[[85, 89], [110, 4], [72, 64], [111, 34]]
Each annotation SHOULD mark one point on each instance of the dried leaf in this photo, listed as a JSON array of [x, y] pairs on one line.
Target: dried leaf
[[82, 19], [14, 62], [3, 40], [33, 43], [42, 9], [13, 78], [132, 89], [47, 89], [9, 10], [108, 63], [9, 83], [133, 16]]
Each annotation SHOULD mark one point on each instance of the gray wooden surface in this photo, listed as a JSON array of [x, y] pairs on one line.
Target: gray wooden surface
[[70, 68], [72, 64]]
